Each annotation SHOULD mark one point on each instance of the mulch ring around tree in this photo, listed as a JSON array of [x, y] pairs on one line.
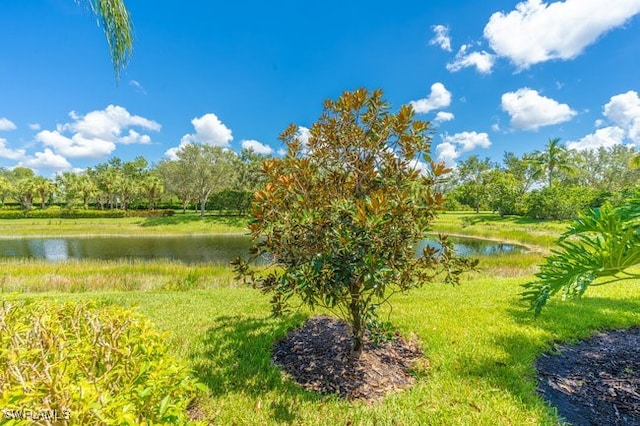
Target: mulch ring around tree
[[318, 357], [596, 382]]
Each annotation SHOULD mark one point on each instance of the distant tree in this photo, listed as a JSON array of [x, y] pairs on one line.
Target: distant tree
[[44, 188], [23, 185], [504, 192], [341, 216], [552, 161], [600, 247], [152, 187], [523, 169], [176, 180], [473, 175], [207, 169], [5, 185]]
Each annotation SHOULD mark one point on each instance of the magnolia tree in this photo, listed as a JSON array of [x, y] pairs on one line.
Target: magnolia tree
[[342, 214]]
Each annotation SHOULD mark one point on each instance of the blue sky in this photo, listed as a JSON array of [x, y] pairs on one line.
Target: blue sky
[[491, 76]]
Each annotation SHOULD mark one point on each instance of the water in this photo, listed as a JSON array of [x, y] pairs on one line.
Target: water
[[219, 249]]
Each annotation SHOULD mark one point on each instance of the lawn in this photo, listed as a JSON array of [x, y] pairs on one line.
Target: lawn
[[479, 339], [189, 223]]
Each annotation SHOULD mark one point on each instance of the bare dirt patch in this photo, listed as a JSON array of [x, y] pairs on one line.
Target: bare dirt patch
[[318, 357], [596, 382]]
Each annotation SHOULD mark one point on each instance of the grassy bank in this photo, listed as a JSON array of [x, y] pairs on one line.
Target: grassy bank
[[511, 228], [177, 224], [479, 340]]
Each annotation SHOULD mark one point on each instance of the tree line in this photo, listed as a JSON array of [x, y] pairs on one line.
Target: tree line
[[553, 183], [202, 176]]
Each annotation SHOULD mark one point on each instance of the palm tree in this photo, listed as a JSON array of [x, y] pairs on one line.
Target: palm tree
[[116, 23], [44, 188], [553, 160]]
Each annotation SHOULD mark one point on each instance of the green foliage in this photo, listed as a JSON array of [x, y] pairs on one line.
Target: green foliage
[[100, 364], [505, 192], [559, 202], [600, 243], [341, 214], [56, 212], [116, 24]]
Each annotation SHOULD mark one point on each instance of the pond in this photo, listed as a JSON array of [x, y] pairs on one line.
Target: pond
[[188, 249]]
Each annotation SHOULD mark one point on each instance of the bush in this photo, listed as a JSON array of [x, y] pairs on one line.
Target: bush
[[100, 364], [150, 213], [559, 202]]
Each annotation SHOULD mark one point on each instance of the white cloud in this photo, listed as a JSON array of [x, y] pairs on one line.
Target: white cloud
[[624, 111], [443, 116], [47, 160], [257, 147], [34, 126], [209, 130], [8, 153], [135, 137], [483, 61], [447, 153], [537, 32], [6, 124], [76, 146], [455, 145], [441, 38], [107, 124], [439, 98], [605, 137], [303, 134], [495, 127], [139, 88], [96, 134], [469, 141], [530, 111]]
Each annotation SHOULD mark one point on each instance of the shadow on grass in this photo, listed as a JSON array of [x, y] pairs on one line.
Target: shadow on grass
[[235, 356], [520, 220], [179, 219], [513, 369]]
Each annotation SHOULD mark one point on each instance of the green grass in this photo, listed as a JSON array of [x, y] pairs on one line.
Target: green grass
[[510, 228], [479, 339], [177, 224]]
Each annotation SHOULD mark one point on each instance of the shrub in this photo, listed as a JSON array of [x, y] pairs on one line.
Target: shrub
[[100, 364], [558, 202]]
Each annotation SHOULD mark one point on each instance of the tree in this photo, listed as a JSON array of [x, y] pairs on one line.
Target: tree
[[473, 173], [341, 215], [44, 188], [177, 182], [552, 161], [600, 244], [22, 179], [208, 169], [6, 189], [153, 188], [504, 191]]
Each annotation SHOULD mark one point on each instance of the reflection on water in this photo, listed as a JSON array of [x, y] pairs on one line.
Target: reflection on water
[[188, 249]]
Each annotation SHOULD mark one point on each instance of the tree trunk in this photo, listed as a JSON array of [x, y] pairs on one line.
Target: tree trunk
[[202, 207], [357, 327]]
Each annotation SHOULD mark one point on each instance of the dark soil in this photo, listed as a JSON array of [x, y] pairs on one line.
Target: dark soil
[[318, 357], [596, 382]]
